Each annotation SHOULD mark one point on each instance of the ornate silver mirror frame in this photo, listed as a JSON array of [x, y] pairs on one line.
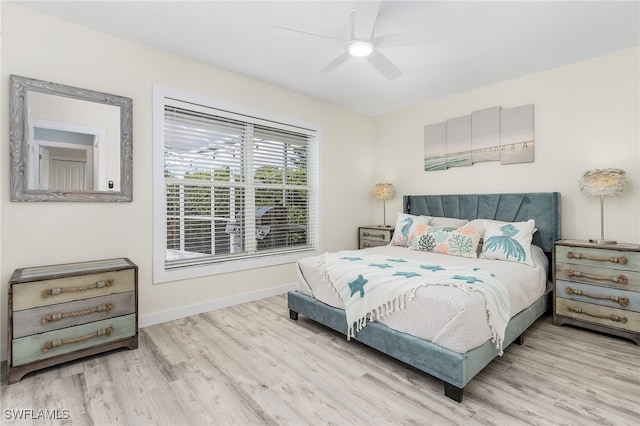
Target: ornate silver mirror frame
[[27, 155]]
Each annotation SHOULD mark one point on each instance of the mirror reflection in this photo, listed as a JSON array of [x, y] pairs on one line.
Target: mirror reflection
[[69, 144], [73, 145]]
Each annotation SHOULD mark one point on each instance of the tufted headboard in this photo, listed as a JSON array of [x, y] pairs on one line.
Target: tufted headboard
[[543, 207]]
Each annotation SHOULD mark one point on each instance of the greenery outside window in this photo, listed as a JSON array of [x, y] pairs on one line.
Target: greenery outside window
[[237, 189]]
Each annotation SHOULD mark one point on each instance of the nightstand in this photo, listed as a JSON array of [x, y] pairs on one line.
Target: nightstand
[[374, 235], [597, 286]]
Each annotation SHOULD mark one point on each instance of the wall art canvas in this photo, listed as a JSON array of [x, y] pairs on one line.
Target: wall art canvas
[[435, 147], [492, 134], [485, 137], [516, 133]]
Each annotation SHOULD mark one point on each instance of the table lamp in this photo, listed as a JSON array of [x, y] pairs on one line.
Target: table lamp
[[384, 191], [603, 182]]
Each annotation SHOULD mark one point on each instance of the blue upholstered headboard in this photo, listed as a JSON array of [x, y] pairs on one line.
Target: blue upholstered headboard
[[543, 207]]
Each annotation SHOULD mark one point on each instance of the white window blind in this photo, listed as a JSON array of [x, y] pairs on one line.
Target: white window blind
[[236, 187]]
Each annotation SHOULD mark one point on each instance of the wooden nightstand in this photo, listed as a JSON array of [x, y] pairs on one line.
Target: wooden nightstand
[[597, 286], [374, 235]]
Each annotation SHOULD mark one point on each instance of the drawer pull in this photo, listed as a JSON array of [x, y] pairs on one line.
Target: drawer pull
[[60, 290], [621, 260], [612, 317], [623, 301], [55, 343], [56, 317], [619, 279], [367, 234]]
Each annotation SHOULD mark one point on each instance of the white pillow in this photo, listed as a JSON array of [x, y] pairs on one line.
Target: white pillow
[[448, 222], [509, 241], [407, 226]]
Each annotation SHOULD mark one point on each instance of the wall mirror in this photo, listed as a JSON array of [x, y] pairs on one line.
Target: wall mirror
[[69, 144]]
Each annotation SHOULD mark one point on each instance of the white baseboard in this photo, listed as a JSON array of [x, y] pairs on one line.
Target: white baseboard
[[210, 305]]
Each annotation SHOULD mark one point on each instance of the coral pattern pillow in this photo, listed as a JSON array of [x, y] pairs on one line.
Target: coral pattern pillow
[[407, 226], [462, 241], [508, 241]]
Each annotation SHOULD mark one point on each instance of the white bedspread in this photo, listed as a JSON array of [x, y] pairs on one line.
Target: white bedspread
[[446, 316]]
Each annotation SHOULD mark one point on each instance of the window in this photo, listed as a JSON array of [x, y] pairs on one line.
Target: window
[[234, 189]]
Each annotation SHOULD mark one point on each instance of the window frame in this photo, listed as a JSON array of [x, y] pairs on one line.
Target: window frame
[[160, 273]]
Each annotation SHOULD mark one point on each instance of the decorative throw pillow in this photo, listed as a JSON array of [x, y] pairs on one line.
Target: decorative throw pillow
[[508, 241], [446, 222], [461, 241], [407, 226]]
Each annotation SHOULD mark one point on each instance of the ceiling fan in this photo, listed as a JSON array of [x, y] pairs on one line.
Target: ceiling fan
[[361, 41]]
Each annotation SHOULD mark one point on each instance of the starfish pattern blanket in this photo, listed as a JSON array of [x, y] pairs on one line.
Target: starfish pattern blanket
[[374, 286]]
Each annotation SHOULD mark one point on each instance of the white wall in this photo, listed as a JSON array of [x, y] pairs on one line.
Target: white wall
[[586, 116], [37, 46]]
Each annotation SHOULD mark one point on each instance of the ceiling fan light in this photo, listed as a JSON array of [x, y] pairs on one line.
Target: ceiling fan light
[[360, 49]]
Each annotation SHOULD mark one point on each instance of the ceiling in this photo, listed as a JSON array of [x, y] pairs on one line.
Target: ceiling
[[458, 45]]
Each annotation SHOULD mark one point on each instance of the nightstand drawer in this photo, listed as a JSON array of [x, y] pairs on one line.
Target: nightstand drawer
[[602, 258], [614, 278], [614, 298], [598, 314], [41, 346], [374, 236], [55, 317]]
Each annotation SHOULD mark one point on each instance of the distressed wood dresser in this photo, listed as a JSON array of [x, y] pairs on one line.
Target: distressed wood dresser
[[597, 286], [60, 313]]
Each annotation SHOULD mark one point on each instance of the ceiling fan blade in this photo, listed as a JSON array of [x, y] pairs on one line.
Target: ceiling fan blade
[[366, 15], [333, 64], [289, 31], [383, 65], [412, 38], [351, 22]]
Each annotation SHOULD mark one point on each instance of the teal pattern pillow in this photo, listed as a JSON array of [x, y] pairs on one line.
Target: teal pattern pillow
[[462, 241], [509, 241]]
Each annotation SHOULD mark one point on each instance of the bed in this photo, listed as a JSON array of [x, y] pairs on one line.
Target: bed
[[449, 361]]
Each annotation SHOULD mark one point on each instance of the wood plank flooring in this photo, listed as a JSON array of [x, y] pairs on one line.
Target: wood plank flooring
[[251, 365]]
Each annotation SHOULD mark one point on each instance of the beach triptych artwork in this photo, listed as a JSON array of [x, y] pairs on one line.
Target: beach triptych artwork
[[492, 134]]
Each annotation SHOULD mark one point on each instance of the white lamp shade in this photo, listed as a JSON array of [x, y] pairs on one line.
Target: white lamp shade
[[603, 182], [384, 191]]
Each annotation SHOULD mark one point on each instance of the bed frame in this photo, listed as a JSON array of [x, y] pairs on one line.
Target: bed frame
[[453, 368]]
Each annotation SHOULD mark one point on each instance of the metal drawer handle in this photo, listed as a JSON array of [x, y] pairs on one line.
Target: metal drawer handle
[[623, 301], [621, 260], [55, 343], [367, 234], [612, 317], [61, 290], [56, 317], [621, 279]]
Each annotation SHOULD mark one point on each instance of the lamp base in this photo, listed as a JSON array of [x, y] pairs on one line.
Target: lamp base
[[595, 241]]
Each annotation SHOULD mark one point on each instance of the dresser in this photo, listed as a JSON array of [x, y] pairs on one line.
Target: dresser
[[64, 312], [374, 235], [597, 286]]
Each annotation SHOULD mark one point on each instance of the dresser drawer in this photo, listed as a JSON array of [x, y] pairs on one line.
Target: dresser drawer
[[55, 317], [598, 314], [602, 258], [614, 278], [614, 298], [28, 295], [54, 343]]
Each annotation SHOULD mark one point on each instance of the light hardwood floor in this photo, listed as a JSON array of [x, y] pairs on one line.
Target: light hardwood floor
[[250, 365]]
